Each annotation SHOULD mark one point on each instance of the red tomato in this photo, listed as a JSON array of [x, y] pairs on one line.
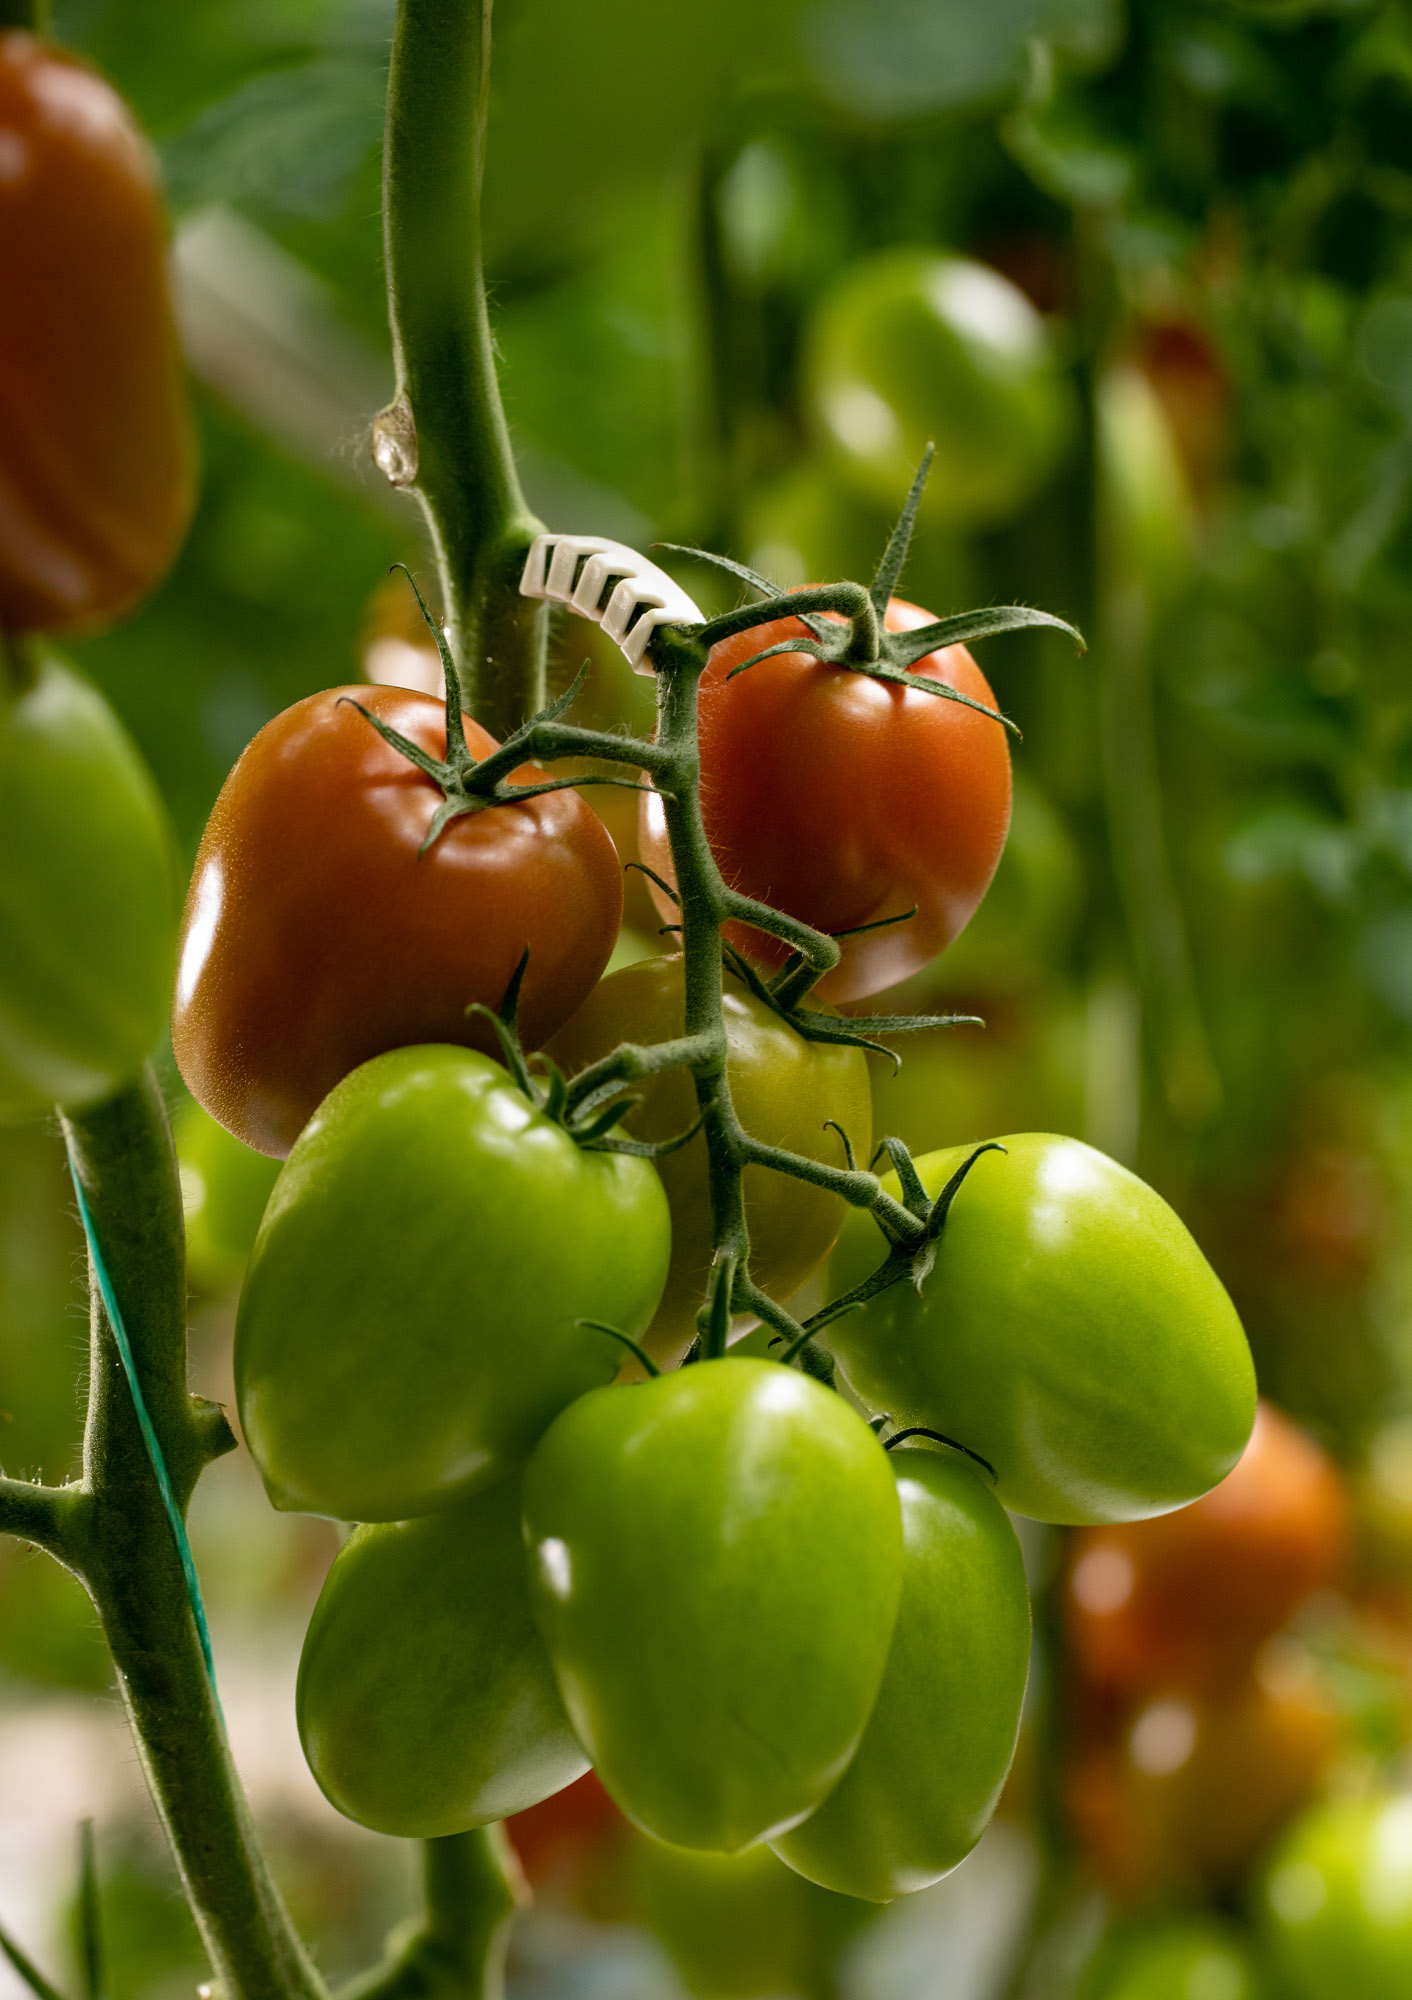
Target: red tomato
[[95, 445], [316, 935], [563, 1833], [841, 799], [1185, 1600]]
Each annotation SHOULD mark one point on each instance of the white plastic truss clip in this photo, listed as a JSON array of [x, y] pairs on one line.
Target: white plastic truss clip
[[611, 584]]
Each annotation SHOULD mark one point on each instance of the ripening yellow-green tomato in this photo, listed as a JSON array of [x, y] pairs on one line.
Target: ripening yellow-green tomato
[[784, 1089]]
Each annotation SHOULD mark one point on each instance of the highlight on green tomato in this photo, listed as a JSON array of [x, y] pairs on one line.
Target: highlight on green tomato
[[224, 1187], [910, 347], [925, 1779], [1335, 1903], [736, 1926], [409, 1323], [88, 898], [716, 1560], [783, 1087], [1070, 1332], [426, 1700]]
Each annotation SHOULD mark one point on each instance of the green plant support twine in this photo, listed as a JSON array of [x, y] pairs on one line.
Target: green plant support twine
[[149, 1435]]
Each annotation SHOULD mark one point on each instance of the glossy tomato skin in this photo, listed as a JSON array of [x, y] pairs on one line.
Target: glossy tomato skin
[[783, 1088], [716, 1559], [88, 899], [1070, 1332], [925, 1779], [316, 934], [426, 1701], [95, 437], [1335, 1905], [407, 1328], [840, 800], [909, 348], [1185, 1600]]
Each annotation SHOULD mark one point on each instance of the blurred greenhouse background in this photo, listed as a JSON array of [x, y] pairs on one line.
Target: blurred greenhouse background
[[743, 259]]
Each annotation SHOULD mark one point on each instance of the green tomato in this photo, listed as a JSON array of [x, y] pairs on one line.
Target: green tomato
[[224, 1187], [1070, 1332], [426, 1700], [926, 1777], [909, 347], [739, 1925], [1336, 1901], [783, 1089], [88, 899], [716, 1560], [409, 1324], [1189, 1958]]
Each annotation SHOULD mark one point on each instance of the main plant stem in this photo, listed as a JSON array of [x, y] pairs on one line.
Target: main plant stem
[[444, 436], [113, 1530]]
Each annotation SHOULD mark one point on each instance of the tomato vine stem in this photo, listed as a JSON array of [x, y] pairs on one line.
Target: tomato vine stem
[[114, 1532], [444, 436]]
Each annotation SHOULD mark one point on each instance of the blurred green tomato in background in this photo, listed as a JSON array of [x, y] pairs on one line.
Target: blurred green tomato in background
[[910, 347], [224, 1187], [1336, 1901]]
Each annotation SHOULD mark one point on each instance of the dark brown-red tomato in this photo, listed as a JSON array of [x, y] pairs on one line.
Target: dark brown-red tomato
[[317, 934]]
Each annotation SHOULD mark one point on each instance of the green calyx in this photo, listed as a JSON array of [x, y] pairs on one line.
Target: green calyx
[[470, 784], [591, 1124], [912, 1251], [855, 635]]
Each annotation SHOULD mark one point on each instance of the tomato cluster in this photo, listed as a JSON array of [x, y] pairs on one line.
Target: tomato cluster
[[717, 1586]]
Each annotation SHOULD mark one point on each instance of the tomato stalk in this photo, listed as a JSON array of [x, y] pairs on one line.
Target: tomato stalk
[[472, 1885], [444, 435], [111, 1527]]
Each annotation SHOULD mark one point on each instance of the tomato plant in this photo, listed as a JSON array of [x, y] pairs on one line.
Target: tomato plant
[[909, 347], [1185, 1600], [1335, 1903], [424, 1165], [88, 899], [95, 444], [844, 800], [716, 1558], [1070, 1332], [426, 1701], [924, 1781], [784, 1089], [301, 958]]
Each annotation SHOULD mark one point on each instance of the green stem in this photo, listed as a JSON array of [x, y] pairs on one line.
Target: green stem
[[472, 1885], [444, 436], [117, 1536]]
